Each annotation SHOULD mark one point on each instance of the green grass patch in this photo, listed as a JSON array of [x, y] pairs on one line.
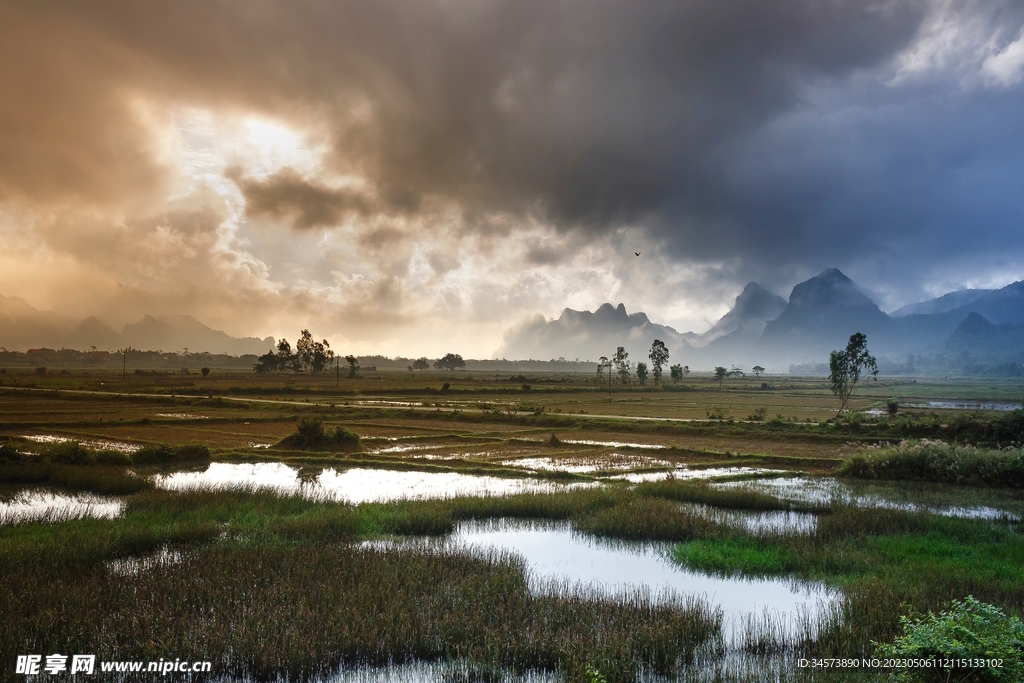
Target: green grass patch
[[735, 556]]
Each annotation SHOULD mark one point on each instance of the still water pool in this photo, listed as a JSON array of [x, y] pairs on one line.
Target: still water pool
[[560, 558], [353, 485]]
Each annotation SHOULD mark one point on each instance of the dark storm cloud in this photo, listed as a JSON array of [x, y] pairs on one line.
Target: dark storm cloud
[[588, 114], [306, 203]]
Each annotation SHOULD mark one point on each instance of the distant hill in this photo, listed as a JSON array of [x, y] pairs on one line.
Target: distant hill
[[587, 336], [733, 339], [942, 304], [23, 326], [999, 306], [174, 332], [978, 338], [763, 328]]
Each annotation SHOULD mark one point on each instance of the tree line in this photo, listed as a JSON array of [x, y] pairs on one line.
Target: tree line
[[624, 367], [309, 356]]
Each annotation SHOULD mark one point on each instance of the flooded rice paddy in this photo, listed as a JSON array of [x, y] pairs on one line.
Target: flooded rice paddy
[[965, 405], [925, 498], [98, 444], [558, 557]]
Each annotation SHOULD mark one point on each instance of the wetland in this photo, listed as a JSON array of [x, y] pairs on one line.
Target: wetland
[[684, 532]]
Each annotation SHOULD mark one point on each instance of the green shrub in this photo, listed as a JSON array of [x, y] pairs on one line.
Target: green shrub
[[165, 453], [971, 630], [69, 453], [310, 433]]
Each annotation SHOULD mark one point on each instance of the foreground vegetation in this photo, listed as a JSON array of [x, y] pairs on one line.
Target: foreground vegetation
[[273, 586], [277, 586]]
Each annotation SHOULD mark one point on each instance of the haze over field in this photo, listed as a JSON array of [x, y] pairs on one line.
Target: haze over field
[[412, 178]]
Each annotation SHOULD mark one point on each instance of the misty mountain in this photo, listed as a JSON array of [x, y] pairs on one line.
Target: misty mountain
[[753, 308], [92, 332], [942, 304], [977, 337], [588, 336], [733, 339], [821, 315], [998, 306], [175, 332], [764, 329], [23, 326]]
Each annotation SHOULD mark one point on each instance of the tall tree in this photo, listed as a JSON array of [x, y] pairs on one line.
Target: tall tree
[[641, 372], [322, 356], [720, 374], [846, 367], [757, 369], [679, 372], [622, 364], [421, 363], [266, 363], [603, 363], [285, 358], [353, 366], [658, 356]]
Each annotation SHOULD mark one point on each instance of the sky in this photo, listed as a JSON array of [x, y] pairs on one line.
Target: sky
[[413, 177]]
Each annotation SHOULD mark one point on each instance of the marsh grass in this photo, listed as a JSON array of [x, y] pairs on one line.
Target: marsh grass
[[104, 480], [270, 609], [887, 563], [736, 498], [937, 461], [278, 586]]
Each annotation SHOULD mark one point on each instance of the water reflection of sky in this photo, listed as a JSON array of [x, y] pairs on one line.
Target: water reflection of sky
[[558, 556], [354, 485], [37, 505], [830, 489]]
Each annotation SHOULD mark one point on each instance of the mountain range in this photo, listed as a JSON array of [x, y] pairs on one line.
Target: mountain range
[[765, 329], [23, 326]]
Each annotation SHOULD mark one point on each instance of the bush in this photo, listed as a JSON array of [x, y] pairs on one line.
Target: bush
[[165, 453], [930, 460], [310, 433], [41, 371], [68, 453], [969, 630], [311, 429]]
